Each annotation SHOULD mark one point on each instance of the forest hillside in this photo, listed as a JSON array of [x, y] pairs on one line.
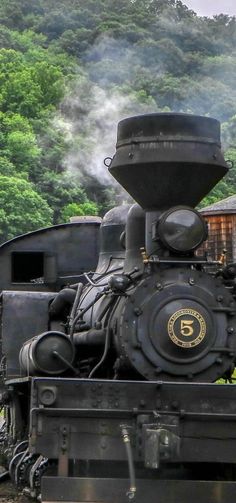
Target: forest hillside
[[70, 69]]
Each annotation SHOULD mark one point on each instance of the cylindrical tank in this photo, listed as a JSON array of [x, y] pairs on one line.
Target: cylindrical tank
[[49, 353]]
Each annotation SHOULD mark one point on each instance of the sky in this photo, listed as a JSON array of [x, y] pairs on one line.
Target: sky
[[212, 7]]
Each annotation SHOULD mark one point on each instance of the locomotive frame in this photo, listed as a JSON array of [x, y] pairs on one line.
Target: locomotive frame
[[115, 400]]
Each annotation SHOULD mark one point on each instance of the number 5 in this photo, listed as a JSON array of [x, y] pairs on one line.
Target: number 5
[[186, 327]]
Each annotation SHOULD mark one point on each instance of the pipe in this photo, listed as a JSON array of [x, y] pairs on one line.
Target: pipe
[[107, 343], [81, 313], [104, 310], [62, 301], [92, 337], [126, 439], [93, 283], [75, 305]]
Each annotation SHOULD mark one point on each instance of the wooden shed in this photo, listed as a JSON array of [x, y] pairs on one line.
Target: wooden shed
[[221, 219]]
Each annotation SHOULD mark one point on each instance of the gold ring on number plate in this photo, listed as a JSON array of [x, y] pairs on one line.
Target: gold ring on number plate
[[190, 329]]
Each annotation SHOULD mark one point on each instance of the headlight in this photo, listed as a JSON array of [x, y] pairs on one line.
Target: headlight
[[182, 229]]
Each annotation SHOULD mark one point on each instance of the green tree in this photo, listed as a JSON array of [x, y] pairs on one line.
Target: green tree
[[152, 55], [22, 209], [23, 149], [18, 142], [59, 190], [7, 168], [74, 209]]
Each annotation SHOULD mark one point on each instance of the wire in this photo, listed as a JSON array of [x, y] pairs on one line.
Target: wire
[[75, 305], [105, 309], [106, 347], [93, 273], [81, 313], [96, 282], [91, 282]]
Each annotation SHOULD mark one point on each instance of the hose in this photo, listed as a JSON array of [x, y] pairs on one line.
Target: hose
[[126, 439]]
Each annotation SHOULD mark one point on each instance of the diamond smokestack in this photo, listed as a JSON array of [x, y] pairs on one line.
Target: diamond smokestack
[[168, 159]]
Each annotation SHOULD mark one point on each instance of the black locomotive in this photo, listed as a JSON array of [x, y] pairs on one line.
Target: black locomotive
[[109, 377]]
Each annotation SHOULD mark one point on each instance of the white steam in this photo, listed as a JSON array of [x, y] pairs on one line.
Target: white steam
[[89, 115], [88, 120]]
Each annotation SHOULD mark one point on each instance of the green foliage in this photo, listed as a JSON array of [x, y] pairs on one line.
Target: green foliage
[[222, 190], [18, 142], [74, 209], [135, 56], [227, 186], [7, 168], [23, 148], [26, 88], [60, 190], [22, 209], [89, 208]]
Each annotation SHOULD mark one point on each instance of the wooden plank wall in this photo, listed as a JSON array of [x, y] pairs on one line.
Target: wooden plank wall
[[222, 236]]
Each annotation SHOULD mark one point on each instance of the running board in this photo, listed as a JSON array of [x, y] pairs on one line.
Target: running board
[[107, 490]]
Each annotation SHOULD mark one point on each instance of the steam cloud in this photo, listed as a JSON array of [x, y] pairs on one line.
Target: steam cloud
[[90, 127], [89, 115]]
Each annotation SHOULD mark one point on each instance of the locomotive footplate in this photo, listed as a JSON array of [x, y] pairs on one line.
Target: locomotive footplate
[[145, 438], [71, 490]]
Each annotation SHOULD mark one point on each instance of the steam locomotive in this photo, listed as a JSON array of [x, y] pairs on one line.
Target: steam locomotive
[[109, 376]]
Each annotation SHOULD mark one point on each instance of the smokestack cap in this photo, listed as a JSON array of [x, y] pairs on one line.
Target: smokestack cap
[[168, 159]]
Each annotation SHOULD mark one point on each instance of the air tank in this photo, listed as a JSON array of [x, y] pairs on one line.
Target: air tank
[[50, 353]]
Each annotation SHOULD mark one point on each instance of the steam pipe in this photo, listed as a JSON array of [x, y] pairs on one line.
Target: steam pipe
[[63, 300], [92, 337]]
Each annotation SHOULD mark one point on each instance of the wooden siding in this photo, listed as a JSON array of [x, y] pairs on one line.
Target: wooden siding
[[222, 236]]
